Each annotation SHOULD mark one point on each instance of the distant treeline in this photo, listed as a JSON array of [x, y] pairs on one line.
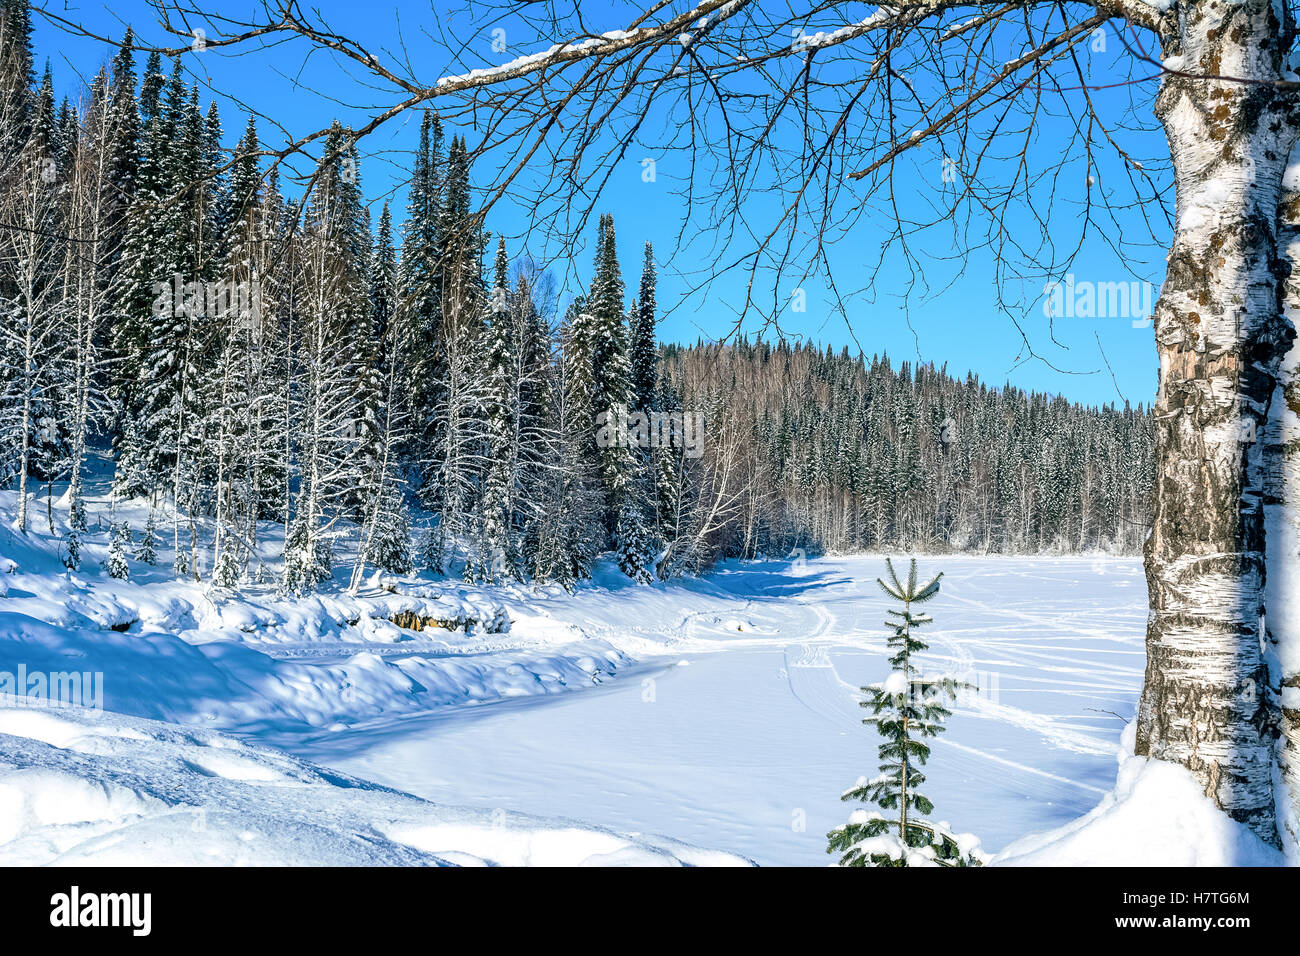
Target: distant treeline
[[846, 454]]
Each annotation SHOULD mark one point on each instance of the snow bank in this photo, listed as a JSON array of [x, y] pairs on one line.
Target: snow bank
[[230, 685], [79, 787], [1157, 815], [173, 649]]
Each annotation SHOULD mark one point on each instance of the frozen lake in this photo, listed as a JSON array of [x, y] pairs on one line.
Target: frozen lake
[[740, 727]]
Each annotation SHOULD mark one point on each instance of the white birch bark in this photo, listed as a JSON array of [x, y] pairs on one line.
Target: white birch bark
[[1282, 509], [1205, 702]]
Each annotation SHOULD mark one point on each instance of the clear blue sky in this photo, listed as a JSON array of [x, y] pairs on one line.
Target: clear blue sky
[[960, 326]]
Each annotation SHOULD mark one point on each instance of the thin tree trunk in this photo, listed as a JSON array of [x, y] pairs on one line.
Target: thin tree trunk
[[1220, 337]]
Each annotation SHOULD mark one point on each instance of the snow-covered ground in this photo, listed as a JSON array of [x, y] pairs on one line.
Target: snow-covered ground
[[84, 788], [740, 727], [719, 712]]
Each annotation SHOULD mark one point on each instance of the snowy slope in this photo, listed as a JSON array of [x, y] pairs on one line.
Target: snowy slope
[[81, 787], [178, 650]]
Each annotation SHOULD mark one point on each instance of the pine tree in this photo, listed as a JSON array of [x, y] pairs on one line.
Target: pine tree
[[625, 490], [72, 556], [116, 566], [644, 375], [454, 465], [17, 76], [420, 355], [568, 532], [502, 417], [906, 709], [148, 550], [157, 341]]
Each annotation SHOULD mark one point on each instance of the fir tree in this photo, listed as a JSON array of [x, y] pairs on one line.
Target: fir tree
[[644, 375], [568, 532], [307, 559], [17, 77], [72, 556], [454, 465], [906, 709], [626, 500], [148, 550], [226, 570], [116, 566], [391, 546], [419, 306], [502, 414]]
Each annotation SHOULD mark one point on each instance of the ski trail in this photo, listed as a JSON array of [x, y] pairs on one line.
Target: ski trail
[[1023, 768], [817, 685]]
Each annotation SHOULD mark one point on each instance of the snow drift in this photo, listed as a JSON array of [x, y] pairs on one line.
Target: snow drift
[[1157, 815], [80, 787]]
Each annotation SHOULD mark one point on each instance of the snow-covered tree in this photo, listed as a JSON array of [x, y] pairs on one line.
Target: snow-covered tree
[[334, 306], [147, 552], [644, 376], [501, 412], [35, 344], [419, 303], [906, 709], [116, 565], [454, 464], [385, 525], [568, 531]]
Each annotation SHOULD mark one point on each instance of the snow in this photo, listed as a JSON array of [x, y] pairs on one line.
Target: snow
[[1157, 815], [85, 788], [895, 683], [1291, 178], [749, 749], [541, 726], [877, 18], [523, 64]]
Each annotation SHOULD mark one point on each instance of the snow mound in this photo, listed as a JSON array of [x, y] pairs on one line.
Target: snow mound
[[1157, 815], [151, 793]]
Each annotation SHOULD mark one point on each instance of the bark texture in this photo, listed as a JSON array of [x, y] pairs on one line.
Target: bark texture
[[1207, 701], [1282, 507]]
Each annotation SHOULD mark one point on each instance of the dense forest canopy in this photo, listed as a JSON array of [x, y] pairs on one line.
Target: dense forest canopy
[[852, 454]]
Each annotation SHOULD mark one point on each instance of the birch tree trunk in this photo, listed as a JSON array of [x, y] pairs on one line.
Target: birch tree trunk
[[1220, 335], [1282, 507]]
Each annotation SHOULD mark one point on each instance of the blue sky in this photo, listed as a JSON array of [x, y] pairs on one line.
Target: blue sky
[[1092, 360]]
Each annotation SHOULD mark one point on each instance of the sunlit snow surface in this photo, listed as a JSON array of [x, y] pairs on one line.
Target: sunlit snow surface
[[722, 712], [748, 747]]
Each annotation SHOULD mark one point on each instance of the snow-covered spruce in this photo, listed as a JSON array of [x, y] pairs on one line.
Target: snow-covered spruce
[[905, 709]]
